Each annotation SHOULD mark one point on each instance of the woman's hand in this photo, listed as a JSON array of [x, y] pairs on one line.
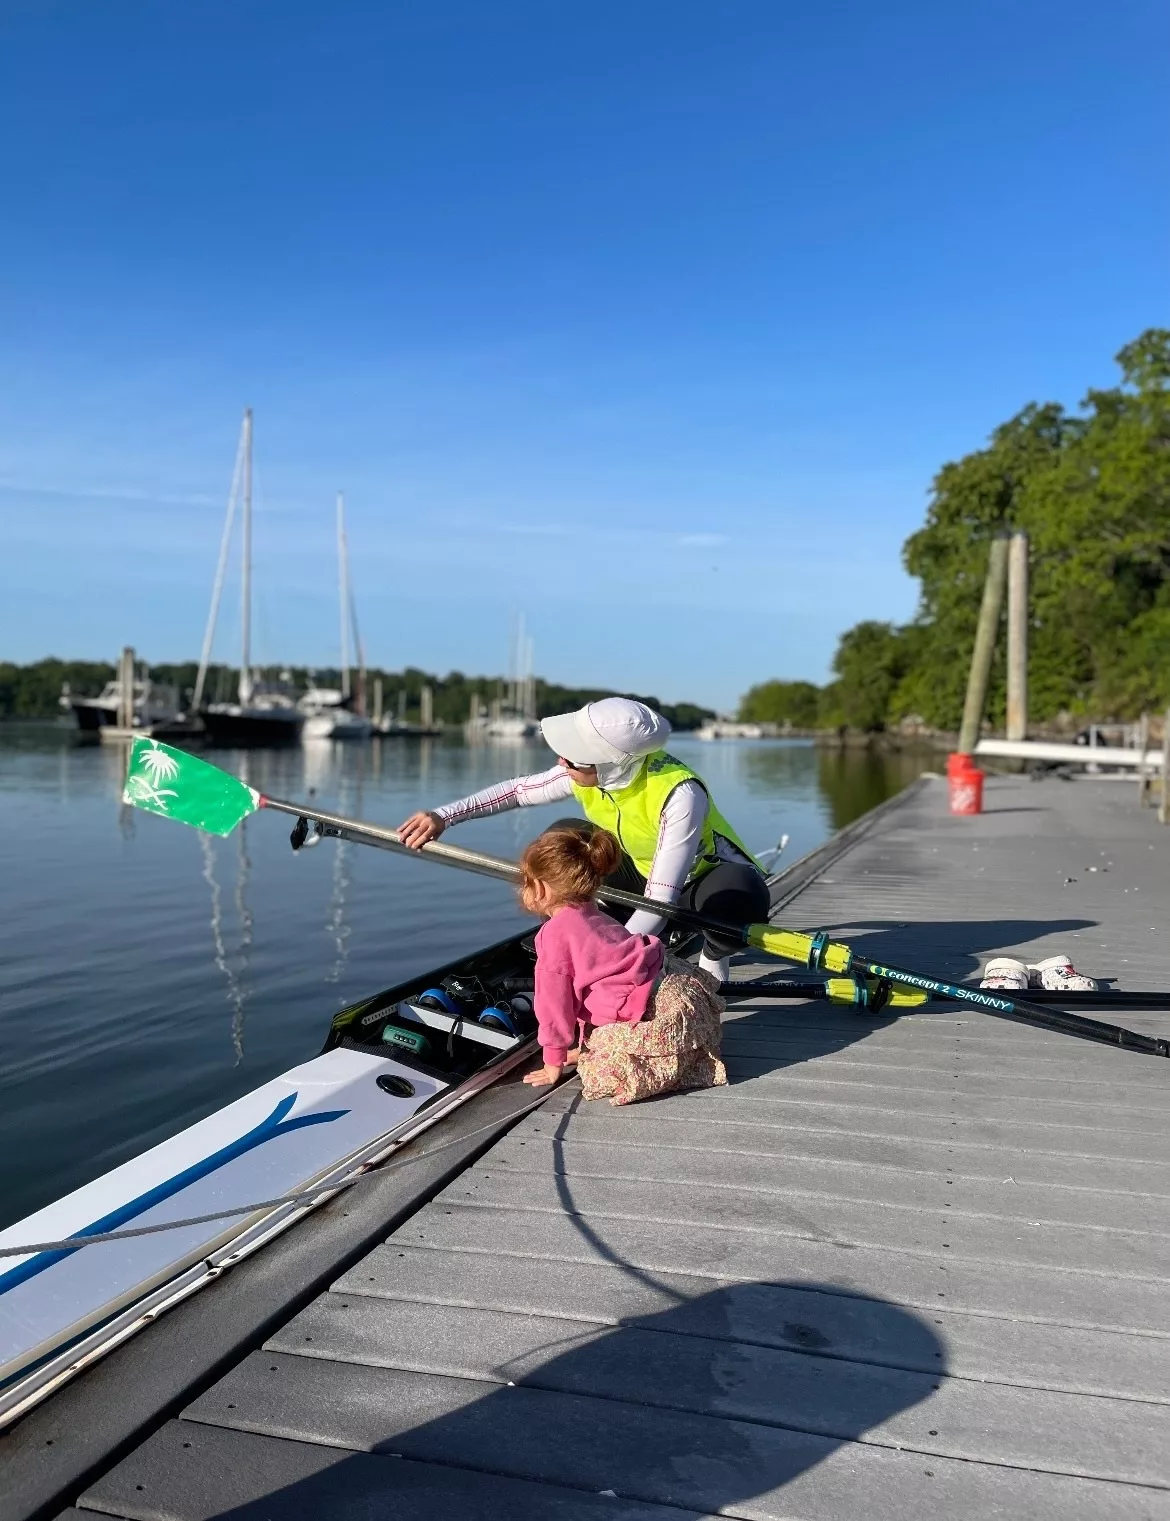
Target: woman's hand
[[420, 828], [543, 1076]]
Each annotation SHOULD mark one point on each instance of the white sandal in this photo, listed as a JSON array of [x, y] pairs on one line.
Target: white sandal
[[1058, 975], [1005, 972]]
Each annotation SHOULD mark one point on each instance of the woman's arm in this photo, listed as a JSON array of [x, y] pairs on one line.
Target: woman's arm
[[551, 786], [680, 835]]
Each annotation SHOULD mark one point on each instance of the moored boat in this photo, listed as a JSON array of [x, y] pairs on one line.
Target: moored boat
[[339, 712], [326, 717], [265, 718], [155, 707], [260, 715]]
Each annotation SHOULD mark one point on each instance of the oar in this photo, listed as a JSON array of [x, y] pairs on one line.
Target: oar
[[183, 787], [1102, 998]]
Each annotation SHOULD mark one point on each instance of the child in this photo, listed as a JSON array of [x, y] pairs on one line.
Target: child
[[645, 1023]]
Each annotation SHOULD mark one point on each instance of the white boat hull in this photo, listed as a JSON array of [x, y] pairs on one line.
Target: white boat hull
[[341, 724], [307, 1127]]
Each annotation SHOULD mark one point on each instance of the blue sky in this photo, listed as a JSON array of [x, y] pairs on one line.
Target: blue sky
[[652, 319]]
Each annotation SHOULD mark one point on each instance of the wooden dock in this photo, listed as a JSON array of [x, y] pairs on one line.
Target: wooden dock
[[902, 1268]]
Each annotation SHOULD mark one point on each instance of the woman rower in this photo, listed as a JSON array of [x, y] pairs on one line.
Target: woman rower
[[676, 845]]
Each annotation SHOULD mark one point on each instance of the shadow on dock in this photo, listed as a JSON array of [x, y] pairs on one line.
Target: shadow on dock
[[693, 1407]]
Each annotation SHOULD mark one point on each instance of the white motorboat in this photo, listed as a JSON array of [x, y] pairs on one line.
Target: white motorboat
[[154, 703], [726, 728], [326, 719]]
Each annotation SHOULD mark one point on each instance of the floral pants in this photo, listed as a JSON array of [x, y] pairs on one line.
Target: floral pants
[[675, 1046]]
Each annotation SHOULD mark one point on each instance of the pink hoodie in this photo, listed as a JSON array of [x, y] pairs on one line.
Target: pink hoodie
[[590, 971]]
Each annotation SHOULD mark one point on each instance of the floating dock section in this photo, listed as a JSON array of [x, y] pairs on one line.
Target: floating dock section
[[904, 1268]]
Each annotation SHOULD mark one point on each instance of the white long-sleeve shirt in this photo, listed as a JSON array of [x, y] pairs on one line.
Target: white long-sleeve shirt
[[680, 830]]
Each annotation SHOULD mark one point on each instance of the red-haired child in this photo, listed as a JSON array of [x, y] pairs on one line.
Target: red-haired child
[[635, 1021]]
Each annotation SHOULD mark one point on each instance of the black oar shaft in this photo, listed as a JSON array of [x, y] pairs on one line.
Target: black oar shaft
[[1019, 1008], [1104, 998], [788, 944]]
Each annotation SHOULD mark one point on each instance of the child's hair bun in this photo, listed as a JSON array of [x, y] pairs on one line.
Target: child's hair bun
[[604, 852], [571, 862]]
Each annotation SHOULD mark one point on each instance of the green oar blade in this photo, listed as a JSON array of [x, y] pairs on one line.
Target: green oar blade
[[181, 786]]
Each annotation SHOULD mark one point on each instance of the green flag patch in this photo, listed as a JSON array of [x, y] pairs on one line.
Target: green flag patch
[[181, 786]]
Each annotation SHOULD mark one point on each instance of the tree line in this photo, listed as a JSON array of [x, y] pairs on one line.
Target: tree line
[[32, 691], [1092, 491]]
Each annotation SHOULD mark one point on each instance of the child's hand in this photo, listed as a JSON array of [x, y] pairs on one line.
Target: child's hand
[[543, 1076]]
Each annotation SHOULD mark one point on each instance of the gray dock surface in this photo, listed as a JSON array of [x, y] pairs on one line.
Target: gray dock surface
[[902, 1268]]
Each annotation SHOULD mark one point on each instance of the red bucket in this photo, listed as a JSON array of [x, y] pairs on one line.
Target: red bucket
[[965, 784]]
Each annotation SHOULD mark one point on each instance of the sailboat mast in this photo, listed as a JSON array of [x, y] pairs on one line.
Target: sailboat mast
[[343, 595], [359, 650], [220, 572], [246, 568]]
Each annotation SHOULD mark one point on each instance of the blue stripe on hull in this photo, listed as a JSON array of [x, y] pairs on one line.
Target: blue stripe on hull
[[268, 1129]]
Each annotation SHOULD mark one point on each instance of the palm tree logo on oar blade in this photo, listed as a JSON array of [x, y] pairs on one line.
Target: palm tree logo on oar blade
[[203, 795], [159, 761], [148, 770]]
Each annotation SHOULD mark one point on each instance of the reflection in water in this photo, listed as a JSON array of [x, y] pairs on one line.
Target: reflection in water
[[349, 803], [235, 992], [244, 913], [126, 821], [335, 924], [854, 781]]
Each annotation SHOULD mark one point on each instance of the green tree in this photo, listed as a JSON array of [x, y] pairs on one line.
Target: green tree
[[1093, 493], [870, 662], [782, 702]]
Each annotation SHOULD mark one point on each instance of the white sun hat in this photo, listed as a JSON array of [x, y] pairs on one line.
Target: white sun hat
[[606, 732]]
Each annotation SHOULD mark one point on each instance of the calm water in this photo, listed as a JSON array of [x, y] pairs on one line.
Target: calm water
[[150, 974]]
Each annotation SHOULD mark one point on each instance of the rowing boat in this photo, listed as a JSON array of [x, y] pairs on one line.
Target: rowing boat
[[110, 1257]]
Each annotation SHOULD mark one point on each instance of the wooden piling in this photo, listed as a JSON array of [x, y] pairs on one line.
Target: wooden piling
[[126, 689], [1143, 734], [984, 648], [1017, 638]]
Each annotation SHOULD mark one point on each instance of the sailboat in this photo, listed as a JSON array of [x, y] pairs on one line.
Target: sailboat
[[514, 718], [329, 713], [259, 716]]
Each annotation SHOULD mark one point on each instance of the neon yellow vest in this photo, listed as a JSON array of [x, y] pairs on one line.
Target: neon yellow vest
[[633, 813]]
